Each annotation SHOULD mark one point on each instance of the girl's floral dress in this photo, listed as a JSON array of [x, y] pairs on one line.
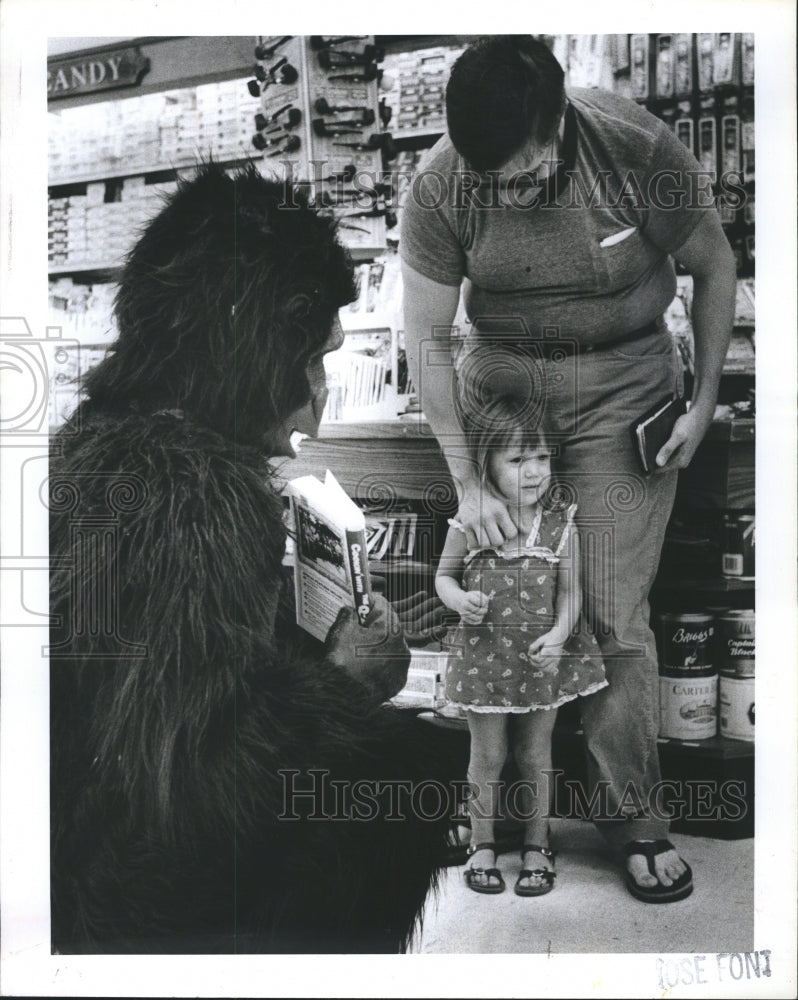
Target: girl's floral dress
[[488, 667]]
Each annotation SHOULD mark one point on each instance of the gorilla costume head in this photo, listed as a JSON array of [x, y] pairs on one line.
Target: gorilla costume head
[[224, 300]]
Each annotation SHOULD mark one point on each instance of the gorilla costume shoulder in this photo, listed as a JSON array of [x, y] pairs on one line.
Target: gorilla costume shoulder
[[218, 784]]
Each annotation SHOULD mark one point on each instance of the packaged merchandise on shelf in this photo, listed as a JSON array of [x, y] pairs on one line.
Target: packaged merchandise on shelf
[[639, 48], [377, 284], [417, 100], [738, 555], [391, 535], [724, 63], [425, 680], [83, 312], [664, 66], [736, 642], [747, 58], [588, 60], [402, 170], [705, 43], [84, 230], [683, 65], [165, 129], [362, 390], [736, 635], [745, 304]]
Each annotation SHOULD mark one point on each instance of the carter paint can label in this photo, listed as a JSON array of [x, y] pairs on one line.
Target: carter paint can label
[[735, 643], [685, 645], [738, 546], [736, 702], [688, 707]]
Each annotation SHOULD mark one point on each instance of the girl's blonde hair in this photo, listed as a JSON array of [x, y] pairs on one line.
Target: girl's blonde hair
[[499, 425]]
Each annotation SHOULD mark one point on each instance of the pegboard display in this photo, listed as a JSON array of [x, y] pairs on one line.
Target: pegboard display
[[280, 122], [320, 121]]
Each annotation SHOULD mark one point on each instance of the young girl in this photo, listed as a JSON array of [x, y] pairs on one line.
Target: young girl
[[516, 655]]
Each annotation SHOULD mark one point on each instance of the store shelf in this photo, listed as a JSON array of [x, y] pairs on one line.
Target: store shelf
[[392, 458], [714, 748], [362, 254], [739, 368], [739, 429], [410, 43], [413, 427], [88, 273], [432, 134], [691, 587], [167, 171]]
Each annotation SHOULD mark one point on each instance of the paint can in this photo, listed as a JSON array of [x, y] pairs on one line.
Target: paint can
[[736, 704], [735, 643], [688, 707], [688, 684], [685, 644], [737, 558]]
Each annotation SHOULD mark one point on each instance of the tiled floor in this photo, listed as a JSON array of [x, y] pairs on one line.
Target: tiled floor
[[590, 909]]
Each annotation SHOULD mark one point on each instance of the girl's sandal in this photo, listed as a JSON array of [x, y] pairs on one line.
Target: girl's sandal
[[471, 875], [540, 873]]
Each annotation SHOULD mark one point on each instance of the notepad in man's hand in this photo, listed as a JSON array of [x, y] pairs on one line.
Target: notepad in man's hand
[[654, 428]]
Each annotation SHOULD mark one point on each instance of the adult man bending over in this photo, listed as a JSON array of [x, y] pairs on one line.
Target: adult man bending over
[[564, 210]]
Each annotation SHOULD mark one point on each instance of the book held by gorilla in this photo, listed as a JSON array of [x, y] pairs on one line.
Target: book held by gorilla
[[331, 568]]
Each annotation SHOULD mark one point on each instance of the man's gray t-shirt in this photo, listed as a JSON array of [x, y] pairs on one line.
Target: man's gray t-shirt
[[623, 170]]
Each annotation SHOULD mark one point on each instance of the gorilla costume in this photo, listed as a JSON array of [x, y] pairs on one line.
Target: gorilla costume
[[187, 708]]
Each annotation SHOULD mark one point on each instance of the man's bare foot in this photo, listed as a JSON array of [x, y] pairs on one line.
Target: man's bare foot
[[656, 873], [668, 866]]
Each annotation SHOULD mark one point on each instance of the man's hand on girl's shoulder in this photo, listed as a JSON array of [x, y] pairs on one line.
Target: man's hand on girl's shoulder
[[485, 519]]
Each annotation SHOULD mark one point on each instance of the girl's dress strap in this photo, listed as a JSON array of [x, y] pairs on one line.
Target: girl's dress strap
[[532, 538], [569, 521]]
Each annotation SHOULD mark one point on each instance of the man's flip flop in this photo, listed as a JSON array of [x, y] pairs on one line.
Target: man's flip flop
[[680, 888], [471, 875]]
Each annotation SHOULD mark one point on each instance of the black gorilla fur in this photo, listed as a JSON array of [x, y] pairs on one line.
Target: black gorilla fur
[[167, 779]]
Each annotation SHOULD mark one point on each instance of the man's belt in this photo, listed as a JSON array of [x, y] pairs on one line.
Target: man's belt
[[557, 349]]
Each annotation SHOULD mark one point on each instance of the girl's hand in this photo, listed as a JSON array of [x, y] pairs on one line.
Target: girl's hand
[[472, 606], [546, 650]]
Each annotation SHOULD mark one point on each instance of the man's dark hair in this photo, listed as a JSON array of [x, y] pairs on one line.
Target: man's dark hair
[[223, 299], [504, 91]]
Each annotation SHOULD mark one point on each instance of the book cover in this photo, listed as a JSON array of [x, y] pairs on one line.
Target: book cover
[[652, 430], [330, 556]]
